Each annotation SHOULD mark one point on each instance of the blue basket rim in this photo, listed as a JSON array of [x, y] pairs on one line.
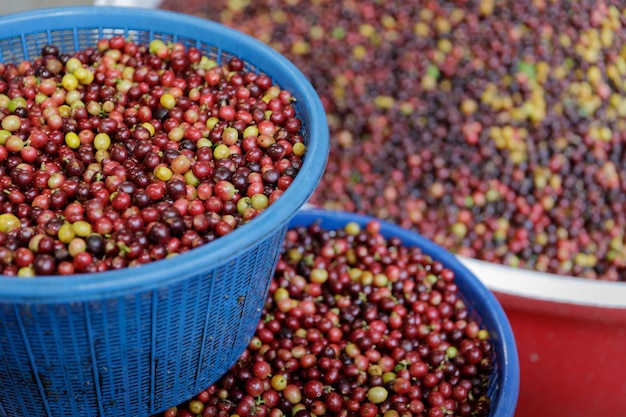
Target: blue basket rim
[[489, 309], [79, 287]]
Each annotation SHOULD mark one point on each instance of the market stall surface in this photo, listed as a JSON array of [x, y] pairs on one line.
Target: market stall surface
[[7, 7]]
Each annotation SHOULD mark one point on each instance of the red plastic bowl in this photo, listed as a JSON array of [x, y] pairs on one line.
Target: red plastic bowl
[[571, 338]]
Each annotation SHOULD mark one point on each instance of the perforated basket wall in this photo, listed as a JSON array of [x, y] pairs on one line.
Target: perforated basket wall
[[505, 378], [138, 341]]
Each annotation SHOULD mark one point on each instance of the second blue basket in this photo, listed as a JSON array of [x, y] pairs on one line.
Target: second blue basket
[[504, 382]]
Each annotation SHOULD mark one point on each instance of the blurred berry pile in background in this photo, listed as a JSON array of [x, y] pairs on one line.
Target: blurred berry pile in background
[[495, 128]]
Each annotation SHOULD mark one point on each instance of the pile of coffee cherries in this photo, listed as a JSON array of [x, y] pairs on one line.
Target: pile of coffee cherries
[[123, 154], [356, 325], [495, 128]]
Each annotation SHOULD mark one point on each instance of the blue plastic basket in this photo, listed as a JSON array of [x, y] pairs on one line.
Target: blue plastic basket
[[482, 304], [138, 341]]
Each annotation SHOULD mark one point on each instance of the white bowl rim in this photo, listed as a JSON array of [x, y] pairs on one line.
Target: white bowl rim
[[548, 287]]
